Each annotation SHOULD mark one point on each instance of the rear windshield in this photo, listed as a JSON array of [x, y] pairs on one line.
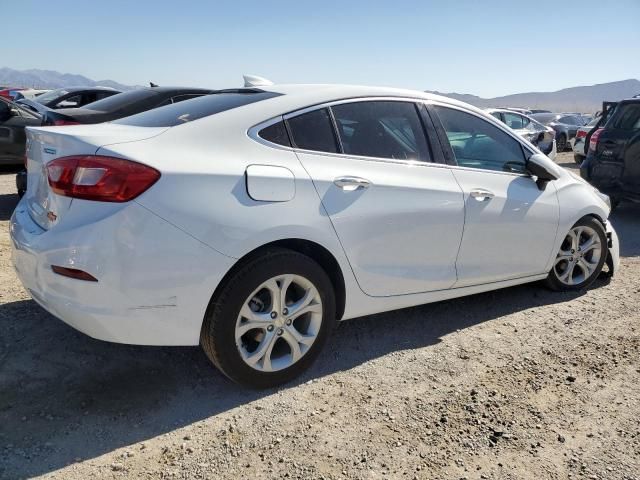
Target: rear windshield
[[190, 110], [627, 117], [115, 102], [52, 95]]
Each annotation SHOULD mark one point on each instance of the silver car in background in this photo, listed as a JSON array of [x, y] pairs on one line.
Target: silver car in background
[[541, 136], [579, 142]]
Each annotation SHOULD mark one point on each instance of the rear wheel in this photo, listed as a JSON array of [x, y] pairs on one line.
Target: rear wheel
[[581, 256], [270, 320], [561, 143]]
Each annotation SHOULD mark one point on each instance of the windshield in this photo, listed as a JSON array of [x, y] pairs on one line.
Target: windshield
[[52, 95], [115, 102], [189, 110]]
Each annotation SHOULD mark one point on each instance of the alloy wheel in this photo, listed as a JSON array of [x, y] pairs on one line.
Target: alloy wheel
[[579, 256], [278, 323]]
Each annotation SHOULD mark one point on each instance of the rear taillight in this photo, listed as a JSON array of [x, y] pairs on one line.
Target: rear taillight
[[60, 123], [99, 178], [593, 143], [581, 134]]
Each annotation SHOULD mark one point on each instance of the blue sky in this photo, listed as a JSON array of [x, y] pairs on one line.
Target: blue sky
[[485, 47]]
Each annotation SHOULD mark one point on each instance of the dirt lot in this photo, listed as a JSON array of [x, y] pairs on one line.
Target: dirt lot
[[519, 383]]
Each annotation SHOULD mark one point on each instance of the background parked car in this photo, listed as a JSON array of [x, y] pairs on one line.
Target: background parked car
[[613, 158], [565, 125], [72, 97], [122, 105], [29, 94], [533, 131], [537, 110], [113, 108], [13, 119], [579, 143], [9, 92]]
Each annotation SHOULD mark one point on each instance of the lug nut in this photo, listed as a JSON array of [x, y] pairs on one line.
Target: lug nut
[[285, 311], [571, 259], [288, 322], [270, 328], [274, 314], [280, 331], [573, 251]]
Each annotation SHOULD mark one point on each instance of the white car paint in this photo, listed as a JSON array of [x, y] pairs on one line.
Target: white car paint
[[416, 235]]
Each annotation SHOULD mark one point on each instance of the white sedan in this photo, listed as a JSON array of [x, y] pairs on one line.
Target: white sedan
[[249, 221]]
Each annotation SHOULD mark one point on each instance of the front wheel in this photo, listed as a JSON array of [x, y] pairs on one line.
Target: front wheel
[[270, 320], [581, 256]]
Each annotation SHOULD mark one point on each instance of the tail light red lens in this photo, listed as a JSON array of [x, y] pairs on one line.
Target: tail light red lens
[[593, 143], [581, 134], [100, 178]]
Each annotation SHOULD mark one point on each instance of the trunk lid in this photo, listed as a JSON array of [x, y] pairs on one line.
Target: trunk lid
[[46, 144]]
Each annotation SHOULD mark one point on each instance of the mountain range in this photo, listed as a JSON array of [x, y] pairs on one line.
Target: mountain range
[[51, 79], [574, 99]]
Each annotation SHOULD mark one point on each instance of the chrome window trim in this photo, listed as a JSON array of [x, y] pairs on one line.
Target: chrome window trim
[[253, 132]]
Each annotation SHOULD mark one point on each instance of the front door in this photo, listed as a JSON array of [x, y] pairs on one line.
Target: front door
[[398, 216], [510, 224]]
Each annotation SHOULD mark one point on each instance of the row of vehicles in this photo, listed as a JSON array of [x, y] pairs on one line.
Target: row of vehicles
[[250, 220]]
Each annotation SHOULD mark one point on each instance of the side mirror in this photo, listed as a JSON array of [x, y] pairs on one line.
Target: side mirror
[[5, 112], [544, 169]]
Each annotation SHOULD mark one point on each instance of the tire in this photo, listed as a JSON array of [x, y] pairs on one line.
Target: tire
[[561, 143], [245, 290], [578, 158], [573, 262]]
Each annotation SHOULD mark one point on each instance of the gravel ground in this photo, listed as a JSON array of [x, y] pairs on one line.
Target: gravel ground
[[515, 384]]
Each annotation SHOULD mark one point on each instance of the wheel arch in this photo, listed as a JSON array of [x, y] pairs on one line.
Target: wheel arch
[[313, 250]]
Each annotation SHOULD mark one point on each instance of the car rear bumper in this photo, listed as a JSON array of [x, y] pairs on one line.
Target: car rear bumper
[[154, 281]]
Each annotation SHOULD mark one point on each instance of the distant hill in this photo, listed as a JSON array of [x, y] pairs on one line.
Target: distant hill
[[51, 79], [575, 99]]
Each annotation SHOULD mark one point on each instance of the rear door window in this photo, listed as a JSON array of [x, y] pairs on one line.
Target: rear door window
[[381, 129], [476, 143], [313, 131]]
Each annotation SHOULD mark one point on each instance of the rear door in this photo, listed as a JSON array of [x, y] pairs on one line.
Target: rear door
[[399, 217], [510, 224], [12, 135], [619, 146]]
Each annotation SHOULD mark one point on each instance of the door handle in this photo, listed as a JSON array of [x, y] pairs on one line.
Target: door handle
[[349, 184], [482, 195]]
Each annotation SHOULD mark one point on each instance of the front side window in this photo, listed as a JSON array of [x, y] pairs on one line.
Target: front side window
[[313, 131], [382, 129], [478, 144]]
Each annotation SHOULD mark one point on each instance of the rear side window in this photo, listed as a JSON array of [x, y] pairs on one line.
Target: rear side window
[[276, 133], [478, 144], [381, 129], [194, 109], [513, 120], [313, 131], [627, 117]]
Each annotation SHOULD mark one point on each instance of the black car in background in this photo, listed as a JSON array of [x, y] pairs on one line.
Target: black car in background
[[122, 105], [565, 124], [72, 97], [13, 120], [613, 158]]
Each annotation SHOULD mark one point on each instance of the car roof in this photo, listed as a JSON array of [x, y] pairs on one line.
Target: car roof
[[296, 96]]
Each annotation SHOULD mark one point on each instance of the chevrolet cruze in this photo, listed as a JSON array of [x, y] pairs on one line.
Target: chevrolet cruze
[[249, 221]]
